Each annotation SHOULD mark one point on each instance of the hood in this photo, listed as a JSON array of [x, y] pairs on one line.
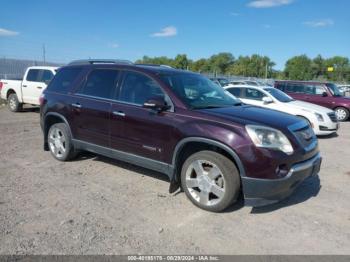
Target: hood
[[248, 114], [309, 106]]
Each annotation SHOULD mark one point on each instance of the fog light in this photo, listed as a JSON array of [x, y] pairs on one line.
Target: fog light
[[281, 171]]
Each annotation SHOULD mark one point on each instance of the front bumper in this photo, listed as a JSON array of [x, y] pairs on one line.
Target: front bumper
[[260, 192], [326, 128]]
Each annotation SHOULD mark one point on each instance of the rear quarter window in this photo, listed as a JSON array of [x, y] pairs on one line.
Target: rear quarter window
[[61, 83]]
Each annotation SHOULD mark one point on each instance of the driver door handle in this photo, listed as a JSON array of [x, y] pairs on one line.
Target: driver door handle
[[76, 105], [119, 113]]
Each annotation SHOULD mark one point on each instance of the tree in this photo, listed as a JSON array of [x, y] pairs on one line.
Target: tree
[[181, 62], [201, 65], [318, 67], [221, 62], [255, 66], [298, 68]]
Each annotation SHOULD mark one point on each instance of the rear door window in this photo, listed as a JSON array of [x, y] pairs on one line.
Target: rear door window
[[235, 91], [100, 83], [33, 75], [295, 88]]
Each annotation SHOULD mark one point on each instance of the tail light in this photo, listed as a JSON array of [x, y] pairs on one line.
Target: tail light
[[42, 99], [1, 85]]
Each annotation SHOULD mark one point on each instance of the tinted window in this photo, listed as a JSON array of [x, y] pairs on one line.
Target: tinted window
[[294, 88], [63, 79], [46, 76], [254, 94], [100, 83], [33, 75], [280, 86], [235, 91], [137, 88]]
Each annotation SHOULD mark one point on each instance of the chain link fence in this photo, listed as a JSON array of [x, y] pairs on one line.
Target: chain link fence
[[14, 68]]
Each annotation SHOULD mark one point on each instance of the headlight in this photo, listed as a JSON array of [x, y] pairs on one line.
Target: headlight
[[267, 137], [319, 117]]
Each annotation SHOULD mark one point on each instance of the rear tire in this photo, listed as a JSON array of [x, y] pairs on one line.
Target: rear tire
[[341, 113], [13, 104], [60, 142], [210, 180]]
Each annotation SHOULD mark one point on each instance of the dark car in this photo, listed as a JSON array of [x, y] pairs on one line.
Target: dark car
[[323, 94], [181, 124]]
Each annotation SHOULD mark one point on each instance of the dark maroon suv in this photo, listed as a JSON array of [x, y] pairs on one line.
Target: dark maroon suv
[[179, 123], [323, 94]]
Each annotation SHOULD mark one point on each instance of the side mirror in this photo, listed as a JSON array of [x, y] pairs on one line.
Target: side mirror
[[157, 103], [324, 94], [267, 100]]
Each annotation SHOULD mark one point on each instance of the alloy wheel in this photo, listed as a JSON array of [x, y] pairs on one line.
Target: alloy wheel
[[57, 142], [13, 103], [340, 113], [205, 182]]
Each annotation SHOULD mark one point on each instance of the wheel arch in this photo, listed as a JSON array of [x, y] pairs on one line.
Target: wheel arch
[[195, 144], [9, 92], [50, 119]]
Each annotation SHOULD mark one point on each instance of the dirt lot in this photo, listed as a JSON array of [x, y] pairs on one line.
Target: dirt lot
[[95, 205]]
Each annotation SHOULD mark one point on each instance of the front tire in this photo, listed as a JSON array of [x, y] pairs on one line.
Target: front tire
[[342, 113], [13, 104], [210, 180], [60, 142]]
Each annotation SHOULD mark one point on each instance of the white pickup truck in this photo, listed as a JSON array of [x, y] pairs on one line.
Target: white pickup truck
[[27, 91]]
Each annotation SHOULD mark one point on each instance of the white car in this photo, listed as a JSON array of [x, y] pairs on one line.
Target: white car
[[322, 120], [28, 90]]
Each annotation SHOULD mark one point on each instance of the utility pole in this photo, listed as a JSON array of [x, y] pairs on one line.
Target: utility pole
[[266, 71], [44, 54]]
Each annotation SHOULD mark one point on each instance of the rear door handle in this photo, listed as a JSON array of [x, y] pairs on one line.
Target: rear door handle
[[24, 85], [76, 105], [39, 87], [119, 113]]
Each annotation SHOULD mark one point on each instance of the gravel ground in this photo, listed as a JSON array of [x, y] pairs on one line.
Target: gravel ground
[[95, 205]]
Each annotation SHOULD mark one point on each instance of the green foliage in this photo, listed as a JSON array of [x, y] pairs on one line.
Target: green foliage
[[297, 68]]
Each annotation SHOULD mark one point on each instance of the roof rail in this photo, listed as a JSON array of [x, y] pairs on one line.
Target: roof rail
[[168, 66], [100, 61]]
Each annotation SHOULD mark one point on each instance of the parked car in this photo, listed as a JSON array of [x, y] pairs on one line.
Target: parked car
[[181, 124], [345, 89], [323, 94], [322, 119], [28, 90], [222, 81], [237, 82]]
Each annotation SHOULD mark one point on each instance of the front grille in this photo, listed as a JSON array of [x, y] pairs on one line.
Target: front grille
[[306, 137], [333, 117]]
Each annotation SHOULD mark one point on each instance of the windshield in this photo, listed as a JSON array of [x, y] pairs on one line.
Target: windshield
[[279, 95], [199, 92], [334, 90]]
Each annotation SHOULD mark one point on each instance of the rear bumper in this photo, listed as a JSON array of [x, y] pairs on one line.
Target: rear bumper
[[260, 192]]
